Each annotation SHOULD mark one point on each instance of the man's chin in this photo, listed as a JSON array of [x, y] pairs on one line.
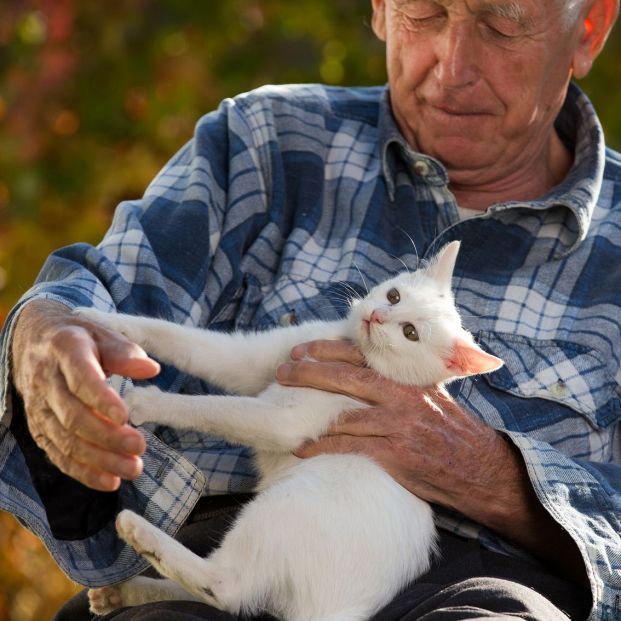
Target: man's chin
[[463, 155]]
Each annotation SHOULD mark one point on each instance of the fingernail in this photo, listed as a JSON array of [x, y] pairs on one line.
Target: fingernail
[[299, 351], [109, 482], [283, 372], [132, 468], [116, 414], [133, 445]]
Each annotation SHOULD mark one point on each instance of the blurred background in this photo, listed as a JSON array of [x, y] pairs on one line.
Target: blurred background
[[96, 96]]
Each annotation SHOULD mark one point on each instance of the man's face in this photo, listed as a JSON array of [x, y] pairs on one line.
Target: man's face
[[477, 83]]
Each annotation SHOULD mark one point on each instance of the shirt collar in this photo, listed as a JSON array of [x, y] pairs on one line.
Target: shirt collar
[[394, 146], [577, 125]]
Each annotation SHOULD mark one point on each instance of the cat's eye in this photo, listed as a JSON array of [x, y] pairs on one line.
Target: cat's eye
[[410, 333], [393, 296]]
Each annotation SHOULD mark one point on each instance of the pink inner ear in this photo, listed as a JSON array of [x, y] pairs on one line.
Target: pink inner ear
[[469, 359]]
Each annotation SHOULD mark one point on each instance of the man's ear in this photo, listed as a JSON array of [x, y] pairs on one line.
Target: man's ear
[[378, 21], [595, 27]]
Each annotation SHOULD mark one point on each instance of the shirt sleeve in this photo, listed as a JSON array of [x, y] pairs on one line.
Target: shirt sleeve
[[585, 499], [174, 254]]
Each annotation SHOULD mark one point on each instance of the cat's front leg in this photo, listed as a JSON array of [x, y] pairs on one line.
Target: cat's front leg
[[129, 325], [251, 421], [237, 363], [149, 405]]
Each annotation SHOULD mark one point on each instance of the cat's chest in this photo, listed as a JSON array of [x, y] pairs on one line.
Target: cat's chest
[[272, 467], [311, 408], [308, 414]]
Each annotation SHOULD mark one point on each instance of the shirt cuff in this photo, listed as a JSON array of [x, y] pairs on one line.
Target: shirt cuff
[[6, 336], [587, 509]]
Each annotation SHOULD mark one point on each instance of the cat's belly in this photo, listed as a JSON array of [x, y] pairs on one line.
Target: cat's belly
[[346, 505]]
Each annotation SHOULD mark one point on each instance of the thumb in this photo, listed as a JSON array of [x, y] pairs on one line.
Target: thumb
[[119, 356]]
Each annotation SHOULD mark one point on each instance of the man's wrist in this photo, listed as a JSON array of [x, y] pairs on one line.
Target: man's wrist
[[513, 510], [31, 325]]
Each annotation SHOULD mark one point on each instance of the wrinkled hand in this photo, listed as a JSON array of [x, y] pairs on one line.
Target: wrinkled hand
[[60, 363], [420, 436], [434, 449]]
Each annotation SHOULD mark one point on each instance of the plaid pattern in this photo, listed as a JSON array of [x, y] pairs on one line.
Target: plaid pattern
[[289, 195]]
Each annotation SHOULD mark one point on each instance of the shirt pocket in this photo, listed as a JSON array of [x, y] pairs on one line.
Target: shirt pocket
[[559, 378]]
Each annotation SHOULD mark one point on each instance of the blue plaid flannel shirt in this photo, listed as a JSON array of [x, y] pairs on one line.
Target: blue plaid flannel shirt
[[282, 194]]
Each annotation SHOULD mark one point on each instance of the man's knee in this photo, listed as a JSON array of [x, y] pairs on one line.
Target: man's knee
[[471, 598], [499, 597]]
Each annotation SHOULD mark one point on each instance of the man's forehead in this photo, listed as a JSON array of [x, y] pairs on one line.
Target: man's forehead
[[510, 6]]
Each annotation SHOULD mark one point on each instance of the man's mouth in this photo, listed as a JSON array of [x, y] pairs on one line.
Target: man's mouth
[[458, 111]]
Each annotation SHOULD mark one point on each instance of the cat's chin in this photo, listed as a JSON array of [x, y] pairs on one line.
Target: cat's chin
[[362, 337]]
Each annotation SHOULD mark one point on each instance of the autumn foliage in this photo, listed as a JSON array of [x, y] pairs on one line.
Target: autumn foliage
[[96, 96]]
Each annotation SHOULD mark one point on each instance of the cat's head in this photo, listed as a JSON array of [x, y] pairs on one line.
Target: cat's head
[[410, 331]]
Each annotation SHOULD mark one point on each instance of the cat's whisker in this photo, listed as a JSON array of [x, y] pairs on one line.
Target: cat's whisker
[[400, 260], [345, 295], [354, 292], [364, 282], [413, 245]]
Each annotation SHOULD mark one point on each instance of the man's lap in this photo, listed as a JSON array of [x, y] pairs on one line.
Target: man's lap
[[465, 582]]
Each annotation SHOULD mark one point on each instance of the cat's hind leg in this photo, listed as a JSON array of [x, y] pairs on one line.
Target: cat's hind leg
[[136, 591], [209, 582]]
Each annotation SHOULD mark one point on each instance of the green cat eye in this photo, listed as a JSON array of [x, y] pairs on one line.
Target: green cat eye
[[393, 296], [410, 332]]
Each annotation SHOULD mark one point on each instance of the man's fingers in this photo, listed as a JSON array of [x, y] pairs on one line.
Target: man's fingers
[[85, 474], [341, 377], [329, 351], [85, 379], [78, 458], [85, 359], [78, 419], [341, 444], [365, 422]]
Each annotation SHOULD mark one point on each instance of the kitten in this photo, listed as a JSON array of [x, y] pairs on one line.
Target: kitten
[[332, 537]]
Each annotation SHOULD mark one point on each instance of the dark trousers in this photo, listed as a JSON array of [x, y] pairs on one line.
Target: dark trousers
[[466, 581]]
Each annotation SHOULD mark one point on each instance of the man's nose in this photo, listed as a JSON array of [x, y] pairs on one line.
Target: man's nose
[[457, 55]]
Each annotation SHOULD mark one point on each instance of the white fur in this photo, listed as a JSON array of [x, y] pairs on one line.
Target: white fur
[[331, 538]]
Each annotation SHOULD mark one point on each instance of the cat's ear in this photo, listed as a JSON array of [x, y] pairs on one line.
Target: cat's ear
[[441, 270], [467, 358]]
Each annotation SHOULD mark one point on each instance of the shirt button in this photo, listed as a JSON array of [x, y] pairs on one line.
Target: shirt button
[[288, 319], [559, 389], [421, 168]]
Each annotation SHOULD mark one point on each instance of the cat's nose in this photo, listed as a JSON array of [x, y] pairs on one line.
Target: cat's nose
[[376, 317]]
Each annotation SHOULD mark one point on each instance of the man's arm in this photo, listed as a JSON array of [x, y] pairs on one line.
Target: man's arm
[[436, 450], [59, 365]]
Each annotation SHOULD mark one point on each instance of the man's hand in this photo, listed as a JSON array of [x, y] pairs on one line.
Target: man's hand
[[420, 436], [433, 448], [60, 363]]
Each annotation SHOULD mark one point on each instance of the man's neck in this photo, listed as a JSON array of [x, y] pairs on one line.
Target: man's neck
[[522, 184]]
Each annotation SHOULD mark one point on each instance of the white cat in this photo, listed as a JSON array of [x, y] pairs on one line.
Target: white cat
[[330, 538]]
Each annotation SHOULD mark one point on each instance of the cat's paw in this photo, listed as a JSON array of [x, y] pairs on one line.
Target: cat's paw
[[139, 534], [109, 320], [142, 404], [103, 600]]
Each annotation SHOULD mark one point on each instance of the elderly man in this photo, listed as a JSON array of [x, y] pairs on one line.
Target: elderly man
[[284, 193]]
